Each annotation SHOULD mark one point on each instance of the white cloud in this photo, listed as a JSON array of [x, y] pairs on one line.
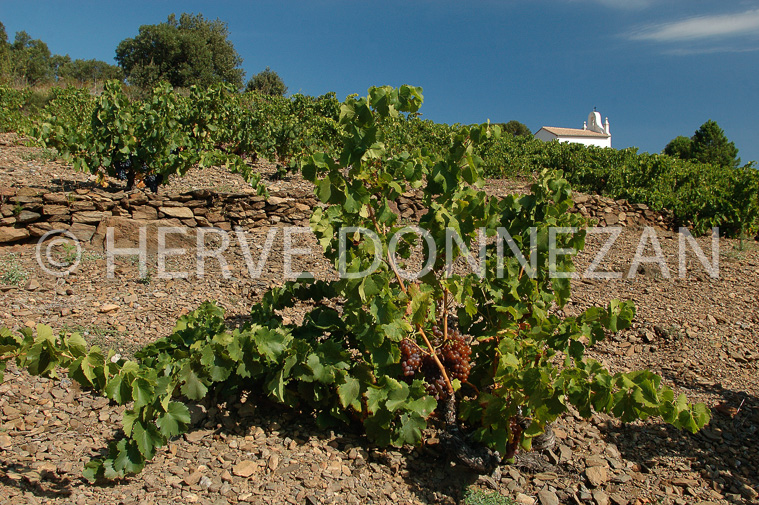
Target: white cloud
[[710, 50], [626, 4], [702, 27], [622, 4]]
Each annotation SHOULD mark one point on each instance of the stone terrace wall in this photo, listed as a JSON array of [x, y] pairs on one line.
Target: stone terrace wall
[[28, 213], [605, 211], [610, 212]]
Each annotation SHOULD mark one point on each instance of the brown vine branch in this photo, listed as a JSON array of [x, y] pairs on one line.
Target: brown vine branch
[[418, 326]]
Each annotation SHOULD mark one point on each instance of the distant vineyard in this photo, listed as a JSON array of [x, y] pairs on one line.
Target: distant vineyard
[[169, 131]]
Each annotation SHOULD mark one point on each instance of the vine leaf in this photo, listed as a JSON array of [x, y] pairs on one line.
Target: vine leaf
[[192, 386], [174, 421]]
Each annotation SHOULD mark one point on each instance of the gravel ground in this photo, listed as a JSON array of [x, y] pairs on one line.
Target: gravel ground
[[699, 333]]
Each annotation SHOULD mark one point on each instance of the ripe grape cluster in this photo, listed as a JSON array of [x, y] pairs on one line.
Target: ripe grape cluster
[[152, 181], [454, 353], [411, 357], [122, 169], [125, 171]]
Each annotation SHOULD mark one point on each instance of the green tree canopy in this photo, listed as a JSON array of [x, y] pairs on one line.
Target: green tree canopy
[[709, 144], [5, 53], [190, 51], [88, 71], [267, 82], [680, 147], [515, 128], [30, 59]]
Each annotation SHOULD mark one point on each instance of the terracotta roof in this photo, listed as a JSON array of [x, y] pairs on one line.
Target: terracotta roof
[[573, 132]]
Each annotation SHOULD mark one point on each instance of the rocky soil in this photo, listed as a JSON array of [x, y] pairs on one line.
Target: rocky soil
[[700, 333]]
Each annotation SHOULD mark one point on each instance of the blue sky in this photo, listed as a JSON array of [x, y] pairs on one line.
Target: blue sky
[[656, 68]]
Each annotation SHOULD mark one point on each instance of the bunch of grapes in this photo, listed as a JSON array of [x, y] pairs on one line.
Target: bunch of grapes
[[411, 357], [435, 382], [122, 169], [454, 353], [152, 181], [437, 336]]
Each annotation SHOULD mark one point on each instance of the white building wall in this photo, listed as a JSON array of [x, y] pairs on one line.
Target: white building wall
[[545, 136], [588, 141]]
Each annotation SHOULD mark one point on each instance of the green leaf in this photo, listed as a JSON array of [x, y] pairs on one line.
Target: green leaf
[[375, 398], [410, 430], [88, 370], [397, 396], [276, 386], [76, 344], [93, 470], [142, 393], [128, 458], [119, 389], [349, 392], [270, 343], [41, 358], [127, 421], [45, 334], [423, 407], [148, 438], [192, 386], [323, 374], [174, 421]]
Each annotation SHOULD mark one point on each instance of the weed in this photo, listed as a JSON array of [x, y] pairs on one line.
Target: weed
[[737, 252], [95, 335], [147, 278], [478, 497], [223, 188], [40, 155], [17, 209], [91, 330], [12, 273], [37, 100], [70, 253]]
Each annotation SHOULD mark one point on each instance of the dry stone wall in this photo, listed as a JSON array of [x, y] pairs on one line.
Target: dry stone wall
[[608, 212], [28, 213], [605, 211]]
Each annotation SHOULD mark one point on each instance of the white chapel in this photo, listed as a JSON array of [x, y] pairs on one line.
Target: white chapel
[[593, 132]]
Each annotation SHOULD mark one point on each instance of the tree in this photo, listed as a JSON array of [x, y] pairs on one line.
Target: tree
[[515, 128], [267, 82], [709, 144], [89, 71], [30, 59], [680, 147], [58, 64], [190, 51], [5, 53]]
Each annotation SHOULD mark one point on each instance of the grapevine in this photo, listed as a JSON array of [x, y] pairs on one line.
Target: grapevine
[[482, 358]]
